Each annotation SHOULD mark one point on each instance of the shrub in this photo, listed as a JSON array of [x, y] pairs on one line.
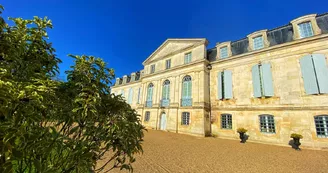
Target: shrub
[[296, 135], [241, 130]]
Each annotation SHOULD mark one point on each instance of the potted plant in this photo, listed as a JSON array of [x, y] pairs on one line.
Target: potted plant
[[296, 138], [242, 132]]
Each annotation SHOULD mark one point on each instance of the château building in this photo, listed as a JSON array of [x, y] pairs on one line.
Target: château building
[[273, 83]]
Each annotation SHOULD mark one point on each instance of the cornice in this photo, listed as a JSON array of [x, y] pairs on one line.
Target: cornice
[[268, 108], [264, 50]]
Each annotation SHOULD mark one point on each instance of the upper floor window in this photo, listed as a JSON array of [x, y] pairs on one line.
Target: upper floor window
[[122, 93], [139, 93], [305, 29], [226, 121], [262, 80], [267, 124], [185, 118], [187, 58], [315, 73], [225, 85], [150, 92], [224, 52], [166, 90], [168, 64], [258, 43], [321, 124], [186, 91], [147, 116], [130, 97], [152, 68]]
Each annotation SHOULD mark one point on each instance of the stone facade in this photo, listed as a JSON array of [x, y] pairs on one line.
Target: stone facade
[[292, 108]]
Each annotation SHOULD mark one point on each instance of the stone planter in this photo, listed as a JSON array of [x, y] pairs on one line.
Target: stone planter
[[297, 143], [242, 137]]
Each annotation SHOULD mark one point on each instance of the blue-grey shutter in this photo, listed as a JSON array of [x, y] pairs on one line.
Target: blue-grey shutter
[[219, 86], [309, 79], [267, 79], [227, 84], [130, 96], [189, 89], [256, 81], [321, 70]]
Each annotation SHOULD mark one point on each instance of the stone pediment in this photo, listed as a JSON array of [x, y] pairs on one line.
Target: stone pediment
[[171, 47]]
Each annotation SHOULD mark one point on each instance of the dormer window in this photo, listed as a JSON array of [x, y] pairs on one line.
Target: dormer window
[[224, 52], [305, 29], [305, 26], [258, 43], [152, 69]]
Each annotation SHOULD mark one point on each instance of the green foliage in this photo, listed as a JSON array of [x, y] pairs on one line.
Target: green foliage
[[52, 126], [241, 130], [296, 135]]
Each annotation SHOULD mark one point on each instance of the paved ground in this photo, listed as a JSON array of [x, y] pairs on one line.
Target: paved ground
[[170, 152]]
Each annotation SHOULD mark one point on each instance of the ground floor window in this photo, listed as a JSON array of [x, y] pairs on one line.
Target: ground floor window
[[226, 121], [267, 124], [321, 125], [147, 116], [185, 119]]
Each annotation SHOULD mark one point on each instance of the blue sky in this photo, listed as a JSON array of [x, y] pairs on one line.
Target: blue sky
[[125, 32]]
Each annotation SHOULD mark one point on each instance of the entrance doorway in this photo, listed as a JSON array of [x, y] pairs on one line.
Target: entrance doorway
[[163, 121]]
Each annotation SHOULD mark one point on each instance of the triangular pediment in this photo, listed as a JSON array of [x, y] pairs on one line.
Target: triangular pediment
[[172, 46]]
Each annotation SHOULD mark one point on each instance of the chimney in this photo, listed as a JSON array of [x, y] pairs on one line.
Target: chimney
[[117, 81], [124, 79], [133, 77]]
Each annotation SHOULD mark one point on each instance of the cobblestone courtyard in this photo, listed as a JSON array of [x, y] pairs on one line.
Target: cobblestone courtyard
[[170, 152]]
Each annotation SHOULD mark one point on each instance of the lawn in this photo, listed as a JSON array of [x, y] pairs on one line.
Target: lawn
[[171, 152]]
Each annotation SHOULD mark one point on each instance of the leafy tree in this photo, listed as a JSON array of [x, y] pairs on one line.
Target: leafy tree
[[55, 126]]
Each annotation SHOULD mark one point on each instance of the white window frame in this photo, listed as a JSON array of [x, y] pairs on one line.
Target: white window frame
[[266, 123], [226, 121], [168, 64], [152, 68], [256, 42], [324, 129], [147, 116], [187, 58], [185, 120], [224, 54]]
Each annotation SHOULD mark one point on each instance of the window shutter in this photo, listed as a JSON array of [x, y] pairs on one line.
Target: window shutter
[[227, 84], [189, 89], [267, 79], [164, 92], [256, 81], [138, 101], [310, 83], [168, 92], [321, 70], [130, 95], [184, 90], [219, 86]]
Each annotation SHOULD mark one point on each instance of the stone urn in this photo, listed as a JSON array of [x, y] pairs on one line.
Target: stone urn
[[296, 140], [242, 135]]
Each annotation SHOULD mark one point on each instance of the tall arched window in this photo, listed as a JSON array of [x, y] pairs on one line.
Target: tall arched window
[[130, 98], [186, 91], [149, 101], [166, 93], [321, 125]]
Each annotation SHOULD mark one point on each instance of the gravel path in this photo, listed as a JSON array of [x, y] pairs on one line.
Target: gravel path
[[171, 152]]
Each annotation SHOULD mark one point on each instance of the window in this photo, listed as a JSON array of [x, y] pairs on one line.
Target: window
[[223, 52], [130, 98], [258, 43], [187, 58], [185, 119], [305, 29], [168, 64], [225, 85], [262, 80], [122, 93], [226, 121], [186, 91], [166, 94], [267, 124], [147, 116], [149, 101], [152, 68], [139, 90], [315, 74], [321, 125]]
